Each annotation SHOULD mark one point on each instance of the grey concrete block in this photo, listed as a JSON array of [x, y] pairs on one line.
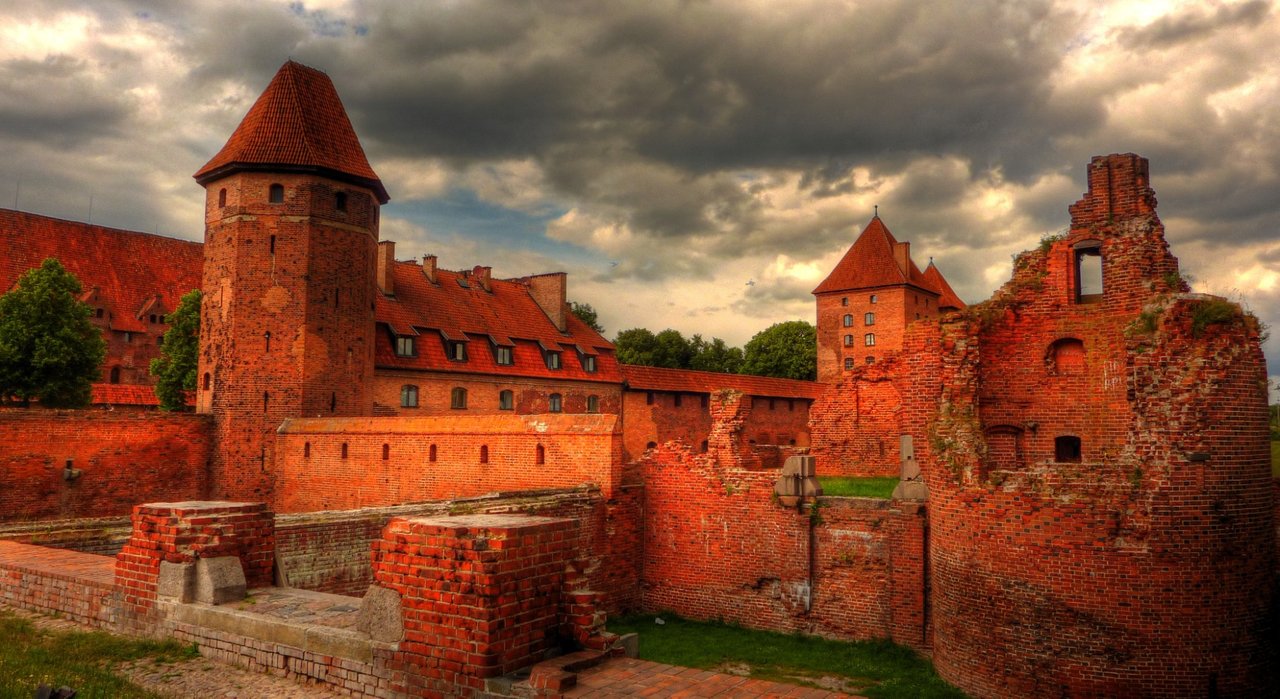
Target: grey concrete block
[[630, 644], [911, 490], [177, 581], [219, 580], [380, 615]]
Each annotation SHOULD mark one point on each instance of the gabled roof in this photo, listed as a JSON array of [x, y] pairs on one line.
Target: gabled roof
[[298, 124], [129, 270], [505, 315], [947, 298], [870, 263], [648, 378]]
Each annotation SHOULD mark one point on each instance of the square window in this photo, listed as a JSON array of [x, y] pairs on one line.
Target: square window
[[874, 298]]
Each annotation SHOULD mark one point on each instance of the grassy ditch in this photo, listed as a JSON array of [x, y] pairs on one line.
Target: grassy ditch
[[858, 486], [876, 669], [81, 660]]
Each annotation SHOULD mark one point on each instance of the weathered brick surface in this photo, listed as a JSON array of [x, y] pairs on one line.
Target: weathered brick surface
[[529, 395], [856, 423], [718, 546], [123, 458], [575, 449], [480, 595], [69, 583], [103, 536], [181, 532], [1145, 567]]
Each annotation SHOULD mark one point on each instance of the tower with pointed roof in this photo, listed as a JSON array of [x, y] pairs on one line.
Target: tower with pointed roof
[[291, 238], [870, 297]]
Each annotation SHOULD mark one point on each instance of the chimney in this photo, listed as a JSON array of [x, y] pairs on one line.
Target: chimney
[[387, 266], [481, 276], [548, 290], [902, 255], [429, 267]]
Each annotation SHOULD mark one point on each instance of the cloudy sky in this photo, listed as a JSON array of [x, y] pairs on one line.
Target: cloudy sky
[[666, 153]]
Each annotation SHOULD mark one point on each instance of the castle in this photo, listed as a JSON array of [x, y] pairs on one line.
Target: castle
[[1091, 511]]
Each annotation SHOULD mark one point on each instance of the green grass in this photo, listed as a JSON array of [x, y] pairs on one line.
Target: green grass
[[81, 660], [861, 487], [879, 669], [1275, 459]]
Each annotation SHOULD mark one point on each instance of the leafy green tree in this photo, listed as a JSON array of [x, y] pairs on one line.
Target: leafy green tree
[[48, 348], [636, 346], [587, 314], [715, 356], [175, 369], [785, 350], [672, 350]]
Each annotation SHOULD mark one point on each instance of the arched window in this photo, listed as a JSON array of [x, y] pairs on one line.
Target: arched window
[[540, 455], [115, 374], [275, 194], [222, 197], [651, 445], [408, 396], [844, 301], [506, 400], [871, 359], [848, 320], [1066, 449], [431, 454], [868, 319], [1066, 356], [484, 453], [869, 339], [1088, 258], [386, 452], [554, 402], [1004, 447], [458, 398], [208, 381], [848, 340], [593, 404]]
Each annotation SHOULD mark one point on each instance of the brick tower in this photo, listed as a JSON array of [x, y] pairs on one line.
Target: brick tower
[[291, 237], [870, 297]]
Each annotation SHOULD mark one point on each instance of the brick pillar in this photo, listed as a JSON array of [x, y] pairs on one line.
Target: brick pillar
[[480, 595], [907, 576], [182, 532]]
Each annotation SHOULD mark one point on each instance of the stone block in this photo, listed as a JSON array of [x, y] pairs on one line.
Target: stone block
[[629, 643], [177, 581], [380, 615], [911, 490], [219, 580]]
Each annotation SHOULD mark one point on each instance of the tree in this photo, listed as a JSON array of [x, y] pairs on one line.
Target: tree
[[586, 314], [635, 346], [48, 348], [715, 356], [672, 350], [175, 369], [786, 350]]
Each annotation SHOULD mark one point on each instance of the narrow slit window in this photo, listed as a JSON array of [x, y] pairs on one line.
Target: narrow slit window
[[344, 450], [333, 401], [266, 401], [272, 245], [208, 381], [306, 450], [222, 197], [340, 201], [431, 454], [484, 453], [540, 455], [386, 452]]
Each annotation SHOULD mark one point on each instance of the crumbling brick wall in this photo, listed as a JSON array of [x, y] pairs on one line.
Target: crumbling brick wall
[[857, 421], [1101, 509], [123, 458]]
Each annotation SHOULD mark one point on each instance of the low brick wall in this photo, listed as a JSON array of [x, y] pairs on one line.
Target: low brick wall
[[104, 536], [123, 457], [75, 585]]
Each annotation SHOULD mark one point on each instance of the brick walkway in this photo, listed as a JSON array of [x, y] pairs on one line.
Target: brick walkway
[[58, 563], [628, 677]]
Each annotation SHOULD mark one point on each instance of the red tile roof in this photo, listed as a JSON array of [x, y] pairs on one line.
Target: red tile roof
[[870, 263], [124, 394], [505, 315], [648, 378], [947, 298], [297, 123], [134, 273]]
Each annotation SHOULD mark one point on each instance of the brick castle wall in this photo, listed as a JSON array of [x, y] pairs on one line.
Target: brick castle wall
[[657, 420], [718, 546], [123, 457], [856, 423], [529, 395], [312, 473]]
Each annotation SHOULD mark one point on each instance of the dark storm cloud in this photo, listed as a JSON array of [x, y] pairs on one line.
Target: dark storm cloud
[[1196, 23], [57, 101]]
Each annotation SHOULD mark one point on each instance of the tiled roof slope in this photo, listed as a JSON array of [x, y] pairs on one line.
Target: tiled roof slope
[[506, 314], [870, 263], [947, 298], [648, 378], [129, 269], [297, 123]]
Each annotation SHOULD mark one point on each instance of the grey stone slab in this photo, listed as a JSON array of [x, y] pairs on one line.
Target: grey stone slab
[[219, 580]]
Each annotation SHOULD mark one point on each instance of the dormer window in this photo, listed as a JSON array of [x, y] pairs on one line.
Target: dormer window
[[457, 351], [588, 363], [405, 346], [552, 359], [275, 194], [504, 356]]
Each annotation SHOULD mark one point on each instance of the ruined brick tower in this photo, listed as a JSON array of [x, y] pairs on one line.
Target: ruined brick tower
[[868, 300], [1094, 443], [291, 237]]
